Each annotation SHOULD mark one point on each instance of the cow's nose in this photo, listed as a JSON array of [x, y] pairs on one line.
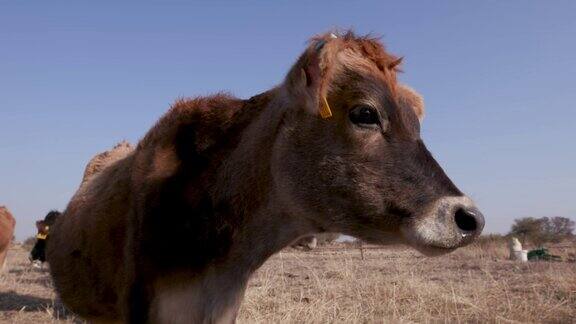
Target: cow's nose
[[469, 220]]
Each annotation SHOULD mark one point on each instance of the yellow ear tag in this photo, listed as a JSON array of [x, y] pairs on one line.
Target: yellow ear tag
[[325, 111], [41, 236]]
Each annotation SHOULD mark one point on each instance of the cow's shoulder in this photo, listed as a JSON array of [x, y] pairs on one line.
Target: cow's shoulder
[[182, 223]]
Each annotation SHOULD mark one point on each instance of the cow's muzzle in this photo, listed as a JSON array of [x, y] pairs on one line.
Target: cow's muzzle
[[451, 222]]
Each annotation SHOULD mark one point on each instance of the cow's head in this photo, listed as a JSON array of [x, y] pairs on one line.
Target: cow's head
[[43, 228], [350, 158], [43, 225]]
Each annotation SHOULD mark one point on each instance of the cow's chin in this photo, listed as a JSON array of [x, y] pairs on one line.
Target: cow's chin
[[430, 242], [431, 251], [388, 239], [412, 241]]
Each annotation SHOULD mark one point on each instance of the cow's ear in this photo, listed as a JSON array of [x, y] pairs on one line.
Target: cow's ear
[[410, 98], [308, 81]]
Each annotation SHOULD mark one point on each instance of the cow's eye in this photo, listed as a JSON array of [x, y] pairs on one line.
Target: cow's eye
[[364, 116]]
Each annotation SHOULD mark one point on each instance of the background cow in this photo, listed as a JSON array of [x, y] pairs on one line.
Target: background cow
[[306, 243], [101, 160], [38, 253], [7, 225]]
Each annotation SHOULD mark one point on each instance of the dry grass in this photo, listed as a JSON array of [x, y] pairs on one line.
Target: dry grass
[[333, 284], [26, 293]]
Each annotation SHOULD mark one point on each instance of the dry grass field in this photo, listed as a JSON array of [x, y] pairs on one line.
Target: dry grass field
[[333, 284]]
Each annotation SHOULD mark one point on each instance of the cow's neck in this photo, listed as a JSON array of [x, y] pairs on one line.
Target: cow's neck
[[244, 183], [245, 180]]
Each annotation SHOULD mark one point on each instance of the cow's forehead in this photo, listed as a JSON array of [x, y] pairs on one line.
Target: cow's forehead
[[351, 60], [363, 75]]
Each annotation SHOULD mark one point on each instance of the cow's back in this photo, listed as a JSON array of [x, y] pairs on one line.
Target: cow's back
[[102, 160], [7, 223], [86, 246]]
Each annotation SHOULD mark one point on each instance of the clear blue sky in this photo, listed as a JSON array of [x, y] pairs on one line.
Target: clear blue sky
[[498, 77]]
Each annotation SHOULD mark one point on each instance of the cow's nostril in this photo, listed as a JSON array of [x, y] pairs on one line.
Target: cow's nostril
[[465, 220]]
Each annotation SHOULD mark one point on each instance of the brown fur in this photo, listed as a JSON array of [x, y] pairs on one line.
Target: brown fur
[[7, 225], [172, 232]]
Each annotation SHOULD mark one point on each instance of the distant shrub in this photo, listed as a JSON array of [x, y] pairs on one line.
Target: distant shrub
[[543, 230]]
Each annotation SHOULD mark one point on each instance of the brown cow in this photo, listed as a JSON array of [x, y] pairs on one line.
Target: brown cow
[[7, 224], [172, 232], [98, 163], [306, 243]]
